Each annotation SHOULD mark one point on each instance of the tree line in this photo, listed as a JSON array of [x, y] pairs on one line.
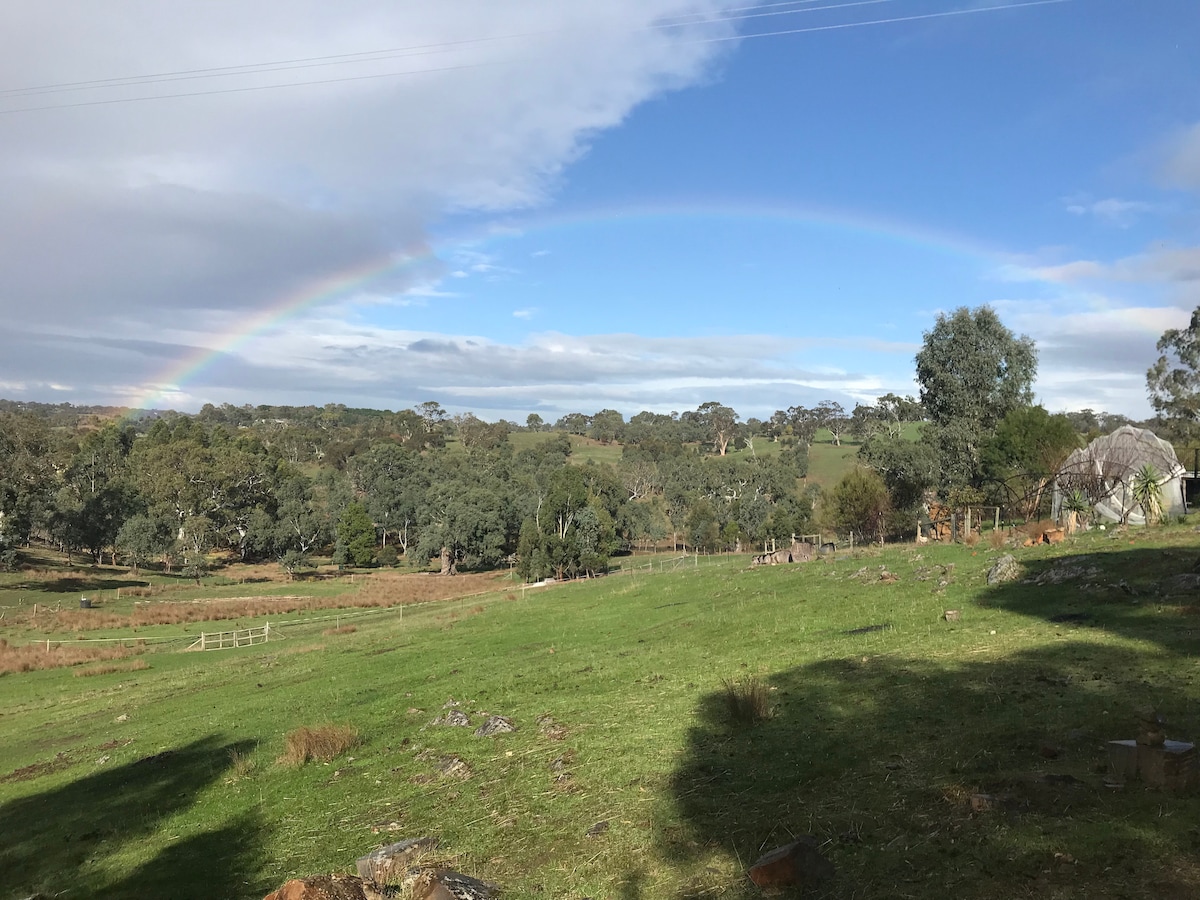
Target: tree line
[[368, 487]]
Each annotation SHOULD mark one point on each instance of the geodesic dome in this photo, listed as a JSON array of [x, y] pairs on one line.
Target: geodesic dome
[[1105, 468]]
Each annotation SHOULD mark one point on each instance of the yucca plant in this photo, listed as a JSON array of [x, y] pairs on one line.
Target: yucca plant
[[1148, 493], [1075, 501]]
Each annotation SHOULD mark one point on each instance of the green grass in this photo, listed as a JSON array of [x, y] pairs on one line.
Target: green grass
[[877, 738]]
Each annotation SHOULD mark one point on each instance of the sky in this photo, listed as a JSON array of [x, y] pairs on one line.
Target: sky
[[539, 206]]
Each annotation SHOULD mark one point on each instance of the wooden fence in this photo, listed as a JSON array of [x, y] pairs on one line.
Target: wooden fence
[[243, 637]]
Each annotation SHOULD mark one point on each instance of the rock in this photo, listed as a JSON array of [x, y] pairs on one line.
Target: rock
[[454, 718], [1049, 750], [798, 863], [1187, 583], [1006, 568], [390, 864], [446, 884], [123, 717], [1152, 730], [555, 731], [952, 615], [495, 725], [984, 802], [454, 767], [321, 887]]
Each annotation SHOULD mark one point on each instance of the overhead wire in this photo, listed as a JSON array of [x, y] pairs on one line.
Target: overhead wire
[[400, 52], [341, 59]]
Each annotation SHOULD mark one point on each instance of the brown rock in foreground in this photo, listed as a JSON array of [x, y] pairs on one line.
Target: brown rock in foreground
[[798, 863], [445, 884], [321, 887], [390, 864]]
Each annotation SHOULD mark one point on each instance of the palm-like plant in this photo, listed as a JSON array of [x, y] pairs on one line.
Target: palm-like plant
[[1147, 492], [1076, 501]]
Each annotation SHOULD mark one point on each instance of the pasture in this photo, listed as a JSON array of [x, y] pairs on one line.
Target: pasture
[[168, 774]]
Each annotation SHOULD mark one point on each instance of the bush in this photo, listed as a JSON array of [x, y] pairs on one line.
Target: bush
[[860, 503], [387, 556]]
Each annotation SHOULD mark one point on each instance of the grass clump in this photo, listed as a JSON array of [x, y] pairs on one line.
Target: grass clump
[[241, 764], [133, 665], [747, 702], [321, 743]]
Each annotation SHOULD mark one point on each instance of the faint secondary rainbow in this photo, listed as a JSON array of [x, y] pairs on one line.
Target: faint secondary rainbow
[[359, 277]]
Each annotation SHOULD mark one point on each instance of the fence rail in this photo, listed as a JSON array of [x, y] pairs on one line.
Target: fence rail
[[243, 637]]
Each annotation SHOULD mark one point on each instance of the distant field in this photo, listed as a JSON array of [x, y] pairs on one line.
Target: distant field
[[930, 759]]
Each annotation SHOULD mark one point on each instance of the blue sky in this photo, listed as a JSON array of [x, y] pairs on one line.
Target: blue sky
[[586, 209]]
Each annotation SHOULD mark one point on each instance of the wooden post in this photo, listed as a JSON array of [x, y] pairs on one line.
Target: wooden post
[[967, 523], [953, 527]]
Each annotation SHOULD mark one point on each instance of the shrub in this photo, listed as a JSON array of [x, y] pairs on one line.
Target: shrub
[[860, 503], [322, 743], [747, 702]]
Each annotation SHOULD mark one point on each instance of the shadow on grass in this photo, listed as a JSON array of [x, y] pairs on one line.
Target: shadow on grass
[[58, 841], [1148, 593], [880, 757], [71, 584]]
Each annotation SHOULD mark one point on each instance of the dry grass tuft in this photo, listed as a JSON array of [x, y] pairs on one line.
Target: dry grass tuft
[[747, 702], [34, 657], [341, 629], [997, 539], [322, 743], [134, 665], [971, 538]]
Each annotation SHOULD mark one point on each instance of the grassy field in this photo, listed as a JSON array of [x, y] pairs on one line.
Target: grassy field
[[886, 719]]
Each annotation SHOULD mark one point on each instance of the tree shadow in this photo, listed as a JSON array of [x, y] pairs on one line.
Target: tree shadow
[[71, 584], [970, 777], [56, 841], [1128, 591]]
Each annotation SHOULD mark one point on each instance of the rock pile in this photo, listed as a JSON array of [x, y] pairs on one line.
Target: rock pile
[[396, 871]]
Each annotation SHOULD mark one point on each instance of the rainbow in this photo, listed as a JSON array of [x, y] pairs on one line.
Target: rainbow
[[359, 277]]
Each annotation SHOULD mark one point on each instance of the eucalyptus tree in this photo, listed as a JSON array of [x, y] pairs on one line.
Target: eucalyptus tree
[[973, 371], [1173, 382]]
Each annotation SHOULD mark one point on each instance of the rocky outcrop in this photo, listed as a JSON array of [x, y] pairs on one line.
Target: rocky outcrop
[[1006, 568], [800, 551]]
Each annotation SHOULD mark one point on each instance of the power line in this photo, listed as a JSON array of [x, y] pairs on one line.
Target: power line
[[394, 52], [440, 69]]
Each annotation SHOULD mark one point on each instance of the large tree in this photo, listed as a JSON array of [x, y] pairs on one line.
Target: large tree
[[1173, 382], [973, 371], [1024, 454]]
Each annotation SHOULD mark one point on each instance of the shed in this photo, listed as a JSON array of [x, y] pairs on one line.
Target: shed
[[1105, 468]]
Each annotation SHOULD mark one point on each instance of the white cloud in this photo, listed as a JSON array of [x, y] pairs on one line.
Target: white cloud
[[1182, 166], [1112, 211], [1162, 265], [524, 313], [132, 217]]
